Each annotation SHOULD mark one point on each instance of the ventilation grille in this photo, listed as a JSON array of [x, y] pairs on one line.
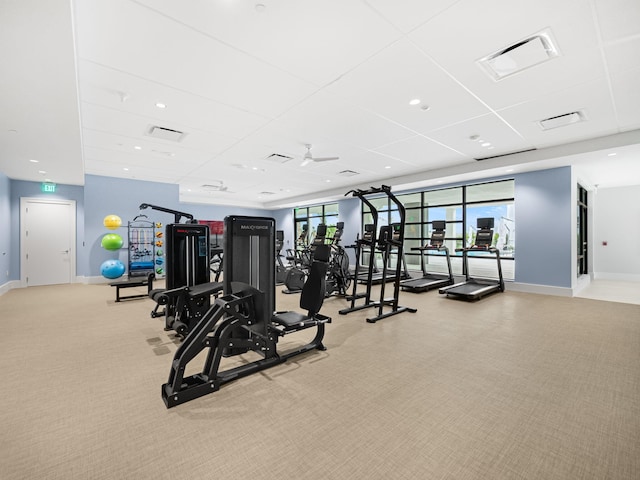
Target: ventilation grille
[[562, 120], [164, 133], [505, 154], [279, 158], [526, 53]]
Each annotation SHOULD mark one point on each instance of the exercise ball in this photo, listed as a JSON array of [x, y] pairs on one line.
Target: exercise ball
[[160, 271], [112, 269], [112, 222], [111, 241]]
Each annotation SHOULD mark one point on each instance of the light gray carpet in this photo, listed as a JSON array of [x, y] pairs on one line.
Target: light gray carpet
[[516, 386]]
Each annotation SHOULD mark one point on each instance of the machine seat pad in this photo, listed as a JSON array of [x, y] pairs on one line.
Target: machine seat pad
[[290, 319], [205, 289]]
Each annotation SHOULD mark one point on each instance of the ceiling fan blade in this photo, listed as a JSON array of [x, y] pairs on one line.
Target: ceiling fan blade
[[325, 159], [306, 161]]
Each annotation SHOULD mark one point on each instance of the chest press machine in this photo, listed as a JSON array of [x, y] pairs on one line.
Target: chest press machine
[[243, 318]]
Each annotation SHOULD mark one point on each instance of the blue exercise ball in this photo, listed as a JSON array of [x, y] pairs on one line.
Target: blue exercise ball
[[112, 269]]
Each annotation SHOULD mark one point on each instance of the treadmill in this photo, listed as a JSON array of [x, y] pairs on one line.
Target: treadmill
[[476, 288], [431, 280]]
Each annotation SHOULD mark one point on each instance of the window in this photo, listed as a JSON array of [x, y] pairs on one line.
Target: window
[[460, 207], [310, 217]]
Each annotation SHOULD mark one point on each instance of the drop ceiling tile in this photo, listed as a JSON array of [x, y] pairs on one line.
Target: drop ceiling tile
[[591, 97], [326, 116], [622, 55], [409, 14], [618, 19], [154, 47], [125, 124], [457, 45], [316, 41], [627, 98], [388, 81], [488, 129], [422, 153], [118, 90]]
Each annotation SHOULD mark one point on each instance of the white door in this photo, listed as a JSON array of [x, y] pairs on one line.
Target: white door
[[47, 247]]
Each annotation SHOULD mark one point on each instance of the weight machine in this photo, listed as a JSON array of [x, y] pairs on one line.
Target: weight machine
[[243, 319], [188, 291]]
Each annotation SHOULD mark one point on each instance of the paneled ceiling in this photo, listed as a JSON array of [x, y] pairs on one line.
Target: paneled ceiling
[[247, 84]]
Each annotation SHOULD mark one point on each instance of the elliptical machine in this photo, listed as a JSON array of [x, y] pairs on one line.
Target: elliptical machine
[[338, 278]]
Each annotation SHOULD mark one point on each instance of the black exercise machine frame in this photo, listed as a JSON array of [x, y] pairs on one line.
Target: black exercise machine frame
[[360, 242], [388, 243], [242, 319]]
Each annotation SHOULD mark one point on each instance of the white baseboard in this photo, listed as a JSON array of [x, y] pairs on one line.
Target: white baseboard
[[620, 277], [541, 289], [9, 286]]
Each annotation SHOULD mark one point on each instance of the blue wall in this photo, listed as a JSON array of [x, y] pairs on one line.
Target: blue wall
[[115, 196], [5, 233], [543, 225], [543, 218]]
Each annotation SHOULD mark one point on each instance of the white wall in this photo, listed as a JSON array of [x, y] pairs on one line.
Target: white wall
[[616, 221]]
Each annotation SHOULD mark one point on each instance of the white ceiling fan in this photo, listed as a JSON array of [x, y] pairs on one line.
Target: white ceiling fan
[[218, 186], [308, 158]]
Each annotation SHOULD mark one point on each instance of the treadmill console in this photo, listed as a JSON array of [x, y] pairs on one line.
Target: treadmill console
[[484, 237], [437, 235]]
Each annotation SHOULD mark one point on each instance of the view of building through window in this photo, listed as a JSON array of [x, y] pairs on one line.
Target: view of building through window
[[460, 207]]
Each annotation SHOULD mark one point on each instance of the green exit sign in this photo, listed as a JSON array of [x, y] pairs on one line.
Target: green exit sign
[[48, 187]]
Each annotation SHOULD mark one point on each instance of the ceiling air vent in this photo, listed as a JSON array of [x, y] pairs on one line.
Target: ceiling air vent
[[504, 154], [164, 133], [267, 193], [561, 120], [526, 53], [348, 173], [279, 158]]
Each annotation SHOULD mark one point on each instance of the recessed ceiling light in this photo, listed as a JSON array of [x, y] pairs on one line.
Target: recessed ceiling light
[[161, 105], [125, 169], [415, 101], [328, 181], [137, 148], [34, 161], [609, 155], [425, 108], [509, 170], [486, 144], [42, 172], [387, 166], [473, 138], [260, 7]]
